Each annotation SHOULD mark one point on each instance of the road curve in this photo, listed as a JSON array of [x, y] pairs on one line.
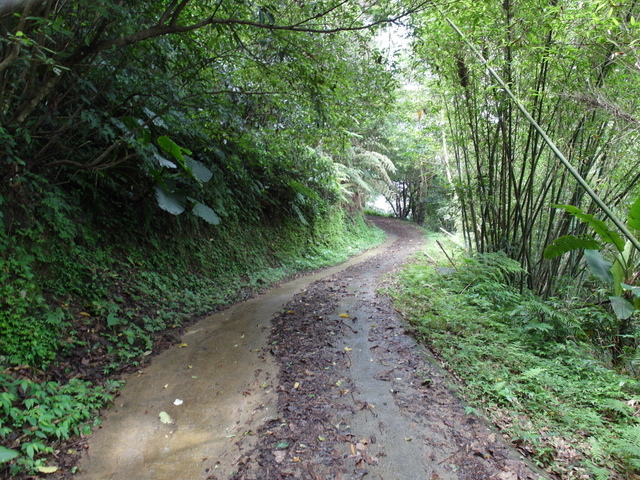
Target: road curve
[[316, 379]]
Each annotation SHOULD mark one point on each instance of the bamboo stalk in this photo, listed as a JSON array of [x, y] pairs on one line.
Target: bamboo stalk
[[578, 177]]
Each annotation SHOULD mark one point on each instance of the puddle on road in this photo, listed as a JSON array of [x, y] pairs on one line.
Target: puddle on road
[[216, 387]]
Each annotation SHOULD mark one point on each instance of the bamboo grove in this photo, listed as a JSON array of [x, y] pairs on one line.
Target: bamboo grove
[[575, 67]]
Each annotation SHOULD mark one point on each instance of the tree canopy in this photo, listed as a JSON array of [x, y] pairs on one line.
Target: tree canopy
[[155, 99]]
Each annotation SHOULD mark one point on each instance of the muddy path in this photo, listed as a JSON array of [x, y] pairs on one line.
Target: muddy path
[[316, 379]]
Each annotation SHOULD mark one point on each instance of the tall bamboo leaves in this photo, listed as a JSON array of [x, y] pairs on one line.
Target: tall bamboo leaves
[[547, 55]]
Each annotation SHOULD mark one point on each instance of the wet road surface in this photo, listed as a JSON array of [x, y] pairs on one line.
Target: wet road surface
[[316, 379]]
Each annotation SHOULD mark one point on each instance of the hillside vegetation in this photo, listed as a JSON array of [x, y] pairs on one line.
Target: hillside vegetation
[[536, 369], [158, 161], [87, 303]]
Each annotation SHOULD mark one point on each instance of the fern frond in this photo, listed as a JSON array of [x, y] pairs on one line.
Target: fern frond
[[618, 406]]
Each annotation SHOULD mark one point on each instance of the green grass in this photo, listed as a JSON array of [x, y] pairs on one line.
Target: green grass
[[526, 365]]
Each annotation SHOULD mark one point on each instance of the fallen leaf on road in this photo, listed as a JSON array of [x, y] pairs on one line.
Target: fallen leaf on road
[[165, 418], [344, 315], [44, 469], [177, 401]]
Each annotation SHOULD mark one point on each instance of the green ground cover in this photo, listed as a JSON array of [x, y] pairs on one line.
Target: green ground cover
[[85, 302], [529, 366]]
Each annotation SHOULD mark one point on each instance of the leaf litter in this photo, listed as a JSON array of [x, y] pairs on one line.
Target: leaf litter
[[314, 436]]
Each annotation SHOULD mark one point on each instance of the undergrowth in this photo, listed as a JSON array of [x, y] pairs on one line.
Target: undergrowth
[[528, 365], [85, 299]]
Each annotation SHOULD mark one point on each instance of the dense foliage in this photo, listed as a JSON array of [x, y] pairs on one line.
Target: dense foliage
[[120, 117], [159, 160], [574, 67], [534, 368], [104, 306], [134, 102]]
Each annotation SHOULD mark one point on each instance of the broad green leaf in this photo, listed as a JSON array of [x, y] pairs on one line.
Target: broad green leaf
[[131, 336], [163, 162], [200, 171], [569, 243], [174, 149], [157, 119], [206, 213], [598, 226], [618, 273], [173, 203], [633, 221], [622, 307], [599, 267], [112, 319], [218, 152], [633, 289], [6, 454]]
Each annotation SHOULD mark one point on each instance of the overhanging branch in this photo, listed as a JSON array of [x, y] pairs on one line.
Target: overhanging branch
[[172, 27]]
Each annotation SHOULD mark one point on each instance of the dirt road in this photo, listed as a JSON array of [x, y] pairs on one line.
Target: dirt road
[[317, 379]]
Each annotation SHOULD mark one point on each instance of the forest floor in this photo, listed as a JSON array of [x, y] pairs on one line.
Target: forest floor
[[315, 379]]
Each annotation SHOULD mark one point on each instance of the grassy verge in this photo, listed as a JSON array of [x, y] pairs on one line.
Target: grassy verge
[[523, 364], [83, 303]]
